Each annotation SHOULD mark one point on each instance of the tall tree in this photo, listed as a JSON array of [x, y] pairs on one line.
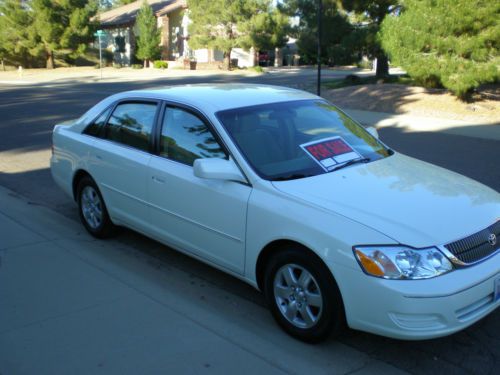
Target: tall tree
[[453, 43], [334, 26], [222, 24], [62, 24], [374, 11], [148, 39], [267, 30], [16, 36]]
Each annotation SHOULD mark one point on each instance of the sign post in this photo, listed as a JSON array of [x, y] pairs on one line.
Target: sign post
[[98, 34]]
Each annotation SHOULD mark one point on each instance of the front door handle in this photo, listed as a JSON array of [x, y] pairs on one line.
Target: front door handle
[[158, 180]]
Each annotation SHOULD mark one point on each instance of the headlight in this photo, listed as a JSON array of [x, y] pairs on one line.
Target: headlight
[[400, 262]]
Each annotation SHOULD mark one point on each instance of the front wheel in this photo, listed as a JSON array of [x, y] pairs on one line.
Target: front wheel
[[92, 210], [303, 295]]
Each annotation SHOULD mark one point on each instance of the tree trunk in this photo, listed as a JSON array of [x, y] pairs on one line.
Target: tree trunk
[[50, 60], [382, 65], [227, 57]]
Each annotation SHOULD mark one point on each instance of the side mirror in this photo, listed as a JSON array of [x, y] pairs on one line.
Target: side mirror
[[373, 131], [218, 169]]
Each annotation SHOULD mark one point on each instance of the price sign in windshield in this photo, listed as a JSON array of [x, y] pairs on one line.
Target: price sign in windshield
[[330, 152]]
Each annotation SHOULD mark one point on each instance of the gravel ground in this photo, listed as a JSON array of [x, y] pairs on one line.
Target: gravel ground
[[418, 101]]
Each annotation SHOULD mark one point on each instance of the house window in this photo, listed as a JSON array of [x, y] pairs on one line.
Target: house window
[[120, 44]]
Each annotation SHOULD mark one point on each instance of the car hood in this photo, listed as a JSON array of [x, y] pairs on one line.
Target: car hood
[[413, 202]]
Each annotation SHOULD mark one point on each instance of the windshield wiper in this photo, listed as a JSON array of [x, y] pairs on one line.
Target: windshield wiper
[[291, 177], [351, 162]]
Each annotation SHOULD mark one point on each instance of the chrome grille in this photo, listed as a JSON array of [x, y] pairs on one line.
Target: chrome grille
[[475, 247]]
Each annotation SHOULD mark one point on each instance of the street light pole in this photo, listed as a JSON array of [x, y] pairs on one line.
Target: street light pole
[[320, 11]]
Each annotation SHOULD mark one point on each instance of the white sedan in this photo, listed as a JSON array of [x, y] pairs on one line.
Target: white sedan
[[281, 189]]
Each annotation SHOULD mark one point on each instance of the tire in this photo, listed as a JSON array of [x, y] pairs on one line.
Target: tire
[[303, 295], [92, 209]]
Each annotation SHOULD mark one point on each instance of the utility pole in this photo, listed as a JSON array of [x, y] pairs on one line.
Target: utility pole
[[320, 11]]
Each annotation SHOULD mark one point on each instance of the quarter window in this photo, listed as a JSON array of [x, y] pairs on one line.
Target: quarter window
[[97, 127], [131, 124], [185, 138]]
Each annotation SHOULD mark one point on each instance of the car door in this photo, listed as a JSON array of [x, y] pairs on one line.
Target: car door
[[119, 160], [205, 217]]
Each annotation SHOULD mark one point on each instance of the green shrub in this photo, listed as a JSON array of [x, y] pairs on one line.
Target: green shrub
[[257, 69], [159, 64], [136, 66]]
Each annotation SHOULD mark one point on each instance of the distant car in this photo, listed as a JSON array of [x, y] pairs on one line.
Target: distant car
[[283, 190], [264, 58]]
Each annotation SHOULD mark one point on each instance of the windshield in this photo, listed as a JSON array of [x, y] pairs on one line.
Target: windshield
[[300, 138]]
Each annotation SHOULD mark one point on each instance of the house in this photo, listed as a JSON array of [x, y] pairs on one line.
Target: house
[[119, 25], [173, 20]]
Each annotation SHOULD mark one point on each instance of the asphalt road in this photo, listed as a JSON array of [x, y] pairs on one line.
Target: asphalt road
[[27, 115]]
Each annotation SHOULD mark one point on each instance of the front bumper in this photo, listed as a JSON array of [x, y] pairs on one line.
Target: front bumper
[[418, 309]]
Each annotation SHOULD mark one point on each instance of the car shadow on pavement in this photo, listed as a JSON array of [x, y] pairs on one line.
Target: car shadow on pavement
[[474, 350]]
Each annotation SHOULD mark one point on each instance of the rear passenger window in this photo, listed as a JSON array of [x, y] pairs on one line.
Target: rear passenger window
[[131, 124]]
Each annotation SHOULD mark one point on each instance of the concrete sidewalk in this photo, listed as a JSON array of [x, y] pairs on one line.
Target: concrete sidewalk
[[70, 304], [412, 123]]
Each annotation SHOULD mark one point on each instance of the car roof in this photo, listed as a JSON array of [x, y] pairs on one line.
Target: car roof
[[218, 97]]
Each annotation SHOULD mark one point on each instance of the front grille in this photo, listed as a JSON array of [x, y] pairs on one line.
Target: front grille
[[475, 247]]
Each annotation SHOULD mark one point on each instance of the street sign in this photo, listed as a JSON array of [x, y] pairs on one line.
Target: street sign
[[98, 34]]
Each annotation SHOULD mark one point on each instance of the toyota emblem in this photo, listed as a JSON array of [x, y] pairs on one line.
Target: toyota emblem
[[492, 239]]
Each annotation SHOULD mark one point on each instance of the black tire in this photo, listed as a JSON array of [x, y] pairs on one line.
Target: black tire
[[310, 323], [99, 226]]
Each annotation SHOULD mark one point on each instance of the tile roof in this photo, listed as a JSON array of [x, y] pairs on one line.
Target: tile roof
[[126, 14]]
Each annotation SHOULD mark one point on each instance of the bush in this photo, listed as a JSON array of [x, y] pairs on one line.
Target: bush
[[158, 64], [257, 69], [137, 66], [453, 43]]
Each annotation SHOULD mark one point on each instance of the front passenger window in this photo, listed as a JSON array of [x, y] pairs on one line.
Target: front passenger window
[[185, 138]]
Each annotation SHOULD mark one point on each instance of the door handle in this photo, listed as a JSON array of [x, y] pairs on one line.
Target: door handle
[[158, 180]]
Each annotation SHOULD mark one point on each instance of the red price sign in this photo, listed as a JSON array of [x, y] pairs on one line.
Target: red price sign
[[330, 152]]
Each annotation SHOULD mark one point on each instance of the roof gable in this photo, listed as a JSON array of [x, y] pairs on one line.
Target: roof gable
[[126, 14]]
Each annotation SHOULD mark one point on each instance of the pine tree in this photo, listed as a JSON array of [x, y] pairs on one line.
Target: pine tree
[[374, 12], [16, 35], [453, 43], [62, 24], [148, 40], [334, 27], [223, 24], [266, 30]]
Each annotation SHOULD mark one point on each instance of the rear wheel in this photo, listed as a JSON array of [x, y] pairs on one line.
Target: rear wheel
[[303, 295], [92, 210]]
